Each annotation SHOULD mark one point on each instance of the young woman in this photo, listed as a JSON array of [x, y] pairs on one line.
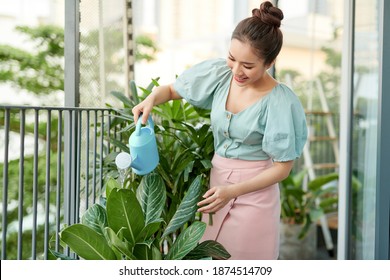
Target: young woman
[[259, 129]]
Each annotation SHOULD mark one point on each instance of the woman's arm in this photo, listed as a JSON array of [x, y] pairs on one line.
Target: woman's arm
[[159, 95], [218, 196]]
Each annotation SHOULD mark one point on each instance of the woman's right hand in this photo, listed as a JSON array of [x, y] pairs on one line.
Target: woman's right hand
[[160, 94], [144, 108]]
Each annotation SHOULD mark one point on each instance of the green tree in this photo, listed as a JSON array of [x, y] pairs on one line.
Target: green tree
[[145, 48], [41, 70]]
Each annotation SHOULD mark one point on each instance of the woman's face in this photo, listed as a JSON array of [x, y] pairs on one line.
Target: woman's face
[[248, 69]]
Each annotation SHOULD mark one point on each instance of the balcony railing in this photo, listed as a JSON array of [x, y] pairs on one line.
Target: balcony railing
[[53, 168], [52, 171]]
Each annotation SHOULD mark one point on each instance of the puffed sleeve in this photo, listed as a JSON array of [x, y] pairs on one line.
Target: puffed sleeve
[[286, 132], [198, 84]]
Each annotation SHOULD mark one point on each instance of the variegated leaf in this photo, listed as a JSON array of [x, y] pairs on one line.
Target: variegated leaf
[[187, 207], [186, 241], [208, 248], [151, 194], [96, 218]]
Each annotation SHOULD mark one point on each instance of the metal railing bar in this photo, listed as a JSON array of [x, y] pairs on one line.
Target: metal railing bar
[[94, 159], [47, 185], [21, 184], [108, 131], [87, 163], [73, 150], [5, 185], [78, 164], [101, 151], [115, 133], [59, 169], [35, 186]]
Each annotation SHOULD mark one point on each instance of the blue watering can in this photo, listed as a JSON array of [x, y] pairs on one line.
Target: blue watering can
[[143, 157]]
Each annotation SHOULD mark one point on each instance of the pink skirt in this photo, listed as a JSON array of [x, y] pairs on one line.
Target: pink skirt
[[248, 226]]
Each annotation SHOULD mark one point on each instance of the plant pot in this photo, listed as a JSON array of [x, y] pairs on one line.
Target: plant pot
[[293, 248]]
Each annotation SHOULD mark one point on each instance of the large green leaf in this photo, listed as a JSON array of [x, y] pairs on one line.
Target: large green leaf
[[187, 207], [87, 243], [322, 180], [124, 212], [151, 194], [208, 248], [186, 241], [96, 218]]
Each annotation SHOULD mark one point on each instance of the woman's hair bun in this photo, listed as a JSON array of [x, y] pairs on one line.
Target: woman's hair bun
[[268, 14]]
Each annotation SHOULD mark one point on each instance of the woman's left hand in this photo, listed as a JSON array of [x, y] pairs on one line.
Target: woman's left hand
[[214, 199]]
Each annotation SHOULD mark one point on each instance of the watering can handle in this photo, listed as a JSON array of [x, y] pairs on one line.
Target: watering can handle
[[139, 123]]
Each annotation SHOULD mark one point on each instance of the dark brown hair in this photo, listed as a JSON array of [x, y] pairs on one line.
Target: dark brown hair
[[262, 32]]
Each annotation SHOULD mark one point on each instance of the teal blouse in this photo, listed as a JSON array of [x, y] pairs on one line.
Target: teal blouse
[[273, 127]]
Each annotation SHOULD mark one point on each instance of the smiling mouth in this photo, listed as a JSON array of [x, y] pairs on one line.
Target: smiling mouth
[[240, 80]]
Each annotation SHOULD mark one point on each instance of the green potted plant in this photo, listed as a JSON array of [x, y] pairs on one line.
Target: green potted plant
[[300, 210], [129, 226]]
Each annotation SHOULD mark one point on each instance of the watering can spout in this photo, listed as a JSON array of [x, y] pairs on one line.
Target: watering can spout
[[123, 160]]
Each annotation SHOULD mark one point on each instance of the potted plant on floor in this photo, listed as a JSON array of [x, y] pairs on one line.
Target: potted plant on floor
[[300, 209]]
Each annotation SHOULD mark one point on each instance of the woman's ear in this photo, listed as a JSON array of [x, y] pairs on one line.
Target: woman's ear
[[270, 65]]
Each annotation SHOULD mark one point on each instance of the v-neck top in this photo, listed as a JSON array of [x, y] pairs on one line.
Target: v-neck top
[[272, 127]]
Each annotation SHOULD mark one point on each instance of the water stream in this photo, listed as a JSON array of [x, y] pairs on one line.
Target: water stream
[[123, 172], [123, 163]]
